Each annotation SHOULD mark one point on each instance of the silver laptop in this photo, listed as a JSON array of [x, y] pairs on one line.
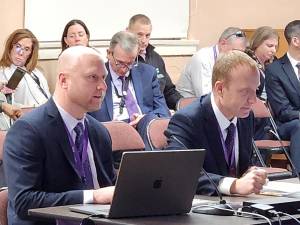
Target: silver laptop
[[152, 183]]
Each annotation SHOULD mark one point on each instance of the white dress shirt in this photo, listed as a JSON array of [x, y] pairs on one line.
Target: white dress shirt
[[71, 123], [195, 80], [27, 93], [116, 82], [225, 183], [294, 62]]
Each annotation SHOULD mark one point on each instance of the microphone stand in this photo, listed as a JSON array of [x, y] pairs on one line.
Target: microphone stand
[[275, 133], [222, 208]]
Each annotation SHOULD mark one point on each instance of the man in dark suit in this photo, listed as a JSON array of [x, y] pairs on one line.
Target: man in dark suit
[[133, 93], [222, 124], [58, 155], [283, 90], [141, 26]]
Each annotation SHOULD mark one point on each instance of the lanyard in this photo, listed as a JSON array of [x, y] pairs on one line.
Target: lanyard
[[125, 86], [80, 159], [230, 161], [215, 53]]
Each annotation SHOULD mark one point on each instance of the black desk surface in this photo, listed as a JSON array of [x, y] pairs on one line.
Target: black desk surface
[[63, 212]]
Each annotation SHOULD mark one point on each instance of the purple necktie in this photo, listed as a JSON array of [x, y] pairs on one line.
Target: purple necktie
[[130, 102], [229, 144], [79, 143]]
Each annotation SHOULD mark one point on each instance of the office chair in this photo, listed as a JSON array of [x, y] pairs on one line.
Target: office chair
[[261, 110], [124, 138], [3, 206], [155, 133], [183, 102]]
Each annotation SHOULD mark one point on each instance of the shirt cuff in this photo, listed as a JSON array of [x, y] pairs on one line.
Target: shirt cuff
[[88, 196], [225, 185]]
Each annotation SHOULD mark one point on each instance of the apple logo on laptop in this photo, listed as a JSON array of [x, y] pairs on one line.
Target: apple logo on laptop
[[157, 184]]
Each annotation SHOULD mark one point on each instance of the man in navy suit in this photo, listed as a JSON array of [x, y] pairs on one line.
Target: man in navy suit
[[222, 124], [57, 155], [133, 93], [283, 90]]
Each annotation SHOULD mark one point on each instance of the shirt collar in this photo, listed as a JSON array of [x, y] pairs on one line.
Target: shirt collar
[[293, 61], [68, 119], [222, 120]]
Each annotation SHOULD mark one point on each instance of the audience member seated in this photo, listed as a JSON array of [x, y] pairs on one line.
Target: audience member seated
[[7, 111], [141, 26], [21, 50], [75, 33], [133, 93], [263, 47], [222, 123], [283, 90], [58, 155], [195, 79]]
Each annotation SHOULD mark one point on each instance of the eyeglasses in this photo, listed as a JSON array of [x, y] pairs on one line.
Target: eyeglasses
[[128, 66], [237, 34], [19, 49]]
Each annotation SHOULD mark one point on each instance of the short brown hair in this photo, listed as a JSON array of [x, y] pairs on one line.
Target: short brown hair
[[141, 18], [13, 38], [226, 62]]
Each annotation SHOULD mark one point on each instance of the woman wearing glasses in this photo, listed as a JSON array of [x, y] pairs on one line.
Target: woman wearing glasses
[[263, 47], [21, 50], [75, 33]]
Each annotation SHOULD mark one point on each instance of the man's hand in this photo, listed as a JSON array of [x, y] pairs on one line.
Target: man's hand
[[103, 195], [12, 111], [251, 182], [135, 119]]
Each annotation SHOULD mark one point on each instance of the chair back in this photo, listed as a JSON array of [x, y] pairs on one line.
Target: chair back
[[155, 133], [3, 207], [183, 102], [123, 136], [260, 109]]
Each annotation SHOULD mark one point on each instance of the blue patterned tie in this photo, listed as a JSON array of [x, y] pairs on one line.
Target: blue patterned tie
[[229, 143]]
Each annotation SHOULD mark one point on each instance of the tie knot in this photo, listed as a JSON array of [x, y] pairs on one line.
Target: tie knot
[[231, 128], [122, 78], [79, 129]]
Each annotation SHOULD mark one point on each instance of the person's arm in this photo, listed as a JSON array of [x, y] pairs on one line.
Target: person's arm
[[24, 162], [160, 107], [12, 111], [279, 97]]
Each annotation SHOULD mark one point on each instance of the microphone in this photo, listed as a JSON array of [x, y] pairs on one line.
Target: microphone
[[275, 133], [222, 208]]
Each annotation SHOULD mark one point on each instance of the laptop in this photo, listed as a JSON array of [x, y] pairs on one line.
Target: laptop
[[152, 183]]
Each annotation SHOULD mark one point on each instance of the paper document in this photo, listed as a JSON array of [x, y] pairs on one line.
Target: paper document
[[280, 188]]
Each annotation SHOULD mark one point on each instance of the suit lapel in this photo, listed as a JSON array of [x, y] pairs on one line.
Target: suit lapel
[[108, 101], [136, 76], [288, 69], [213, 131], [93, 135], [62, 138]]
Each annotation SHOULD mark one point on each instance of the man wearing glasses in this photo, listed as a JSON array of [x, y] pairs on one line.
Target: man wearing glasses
[[195, 79], [283, 90], [133, 94]]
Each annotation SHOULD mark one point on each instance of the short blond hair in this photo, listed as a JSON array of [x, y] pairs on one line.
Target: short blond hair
[[227, 62]]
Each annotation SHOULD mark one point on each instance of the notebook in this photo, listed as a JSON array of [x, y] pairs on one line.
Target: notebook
[[152, 183]]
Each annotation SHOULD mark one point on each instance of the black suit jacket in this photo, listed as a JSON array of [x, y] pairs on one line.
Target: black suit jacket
[[39, 162], [196, 127], [283, 90]]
